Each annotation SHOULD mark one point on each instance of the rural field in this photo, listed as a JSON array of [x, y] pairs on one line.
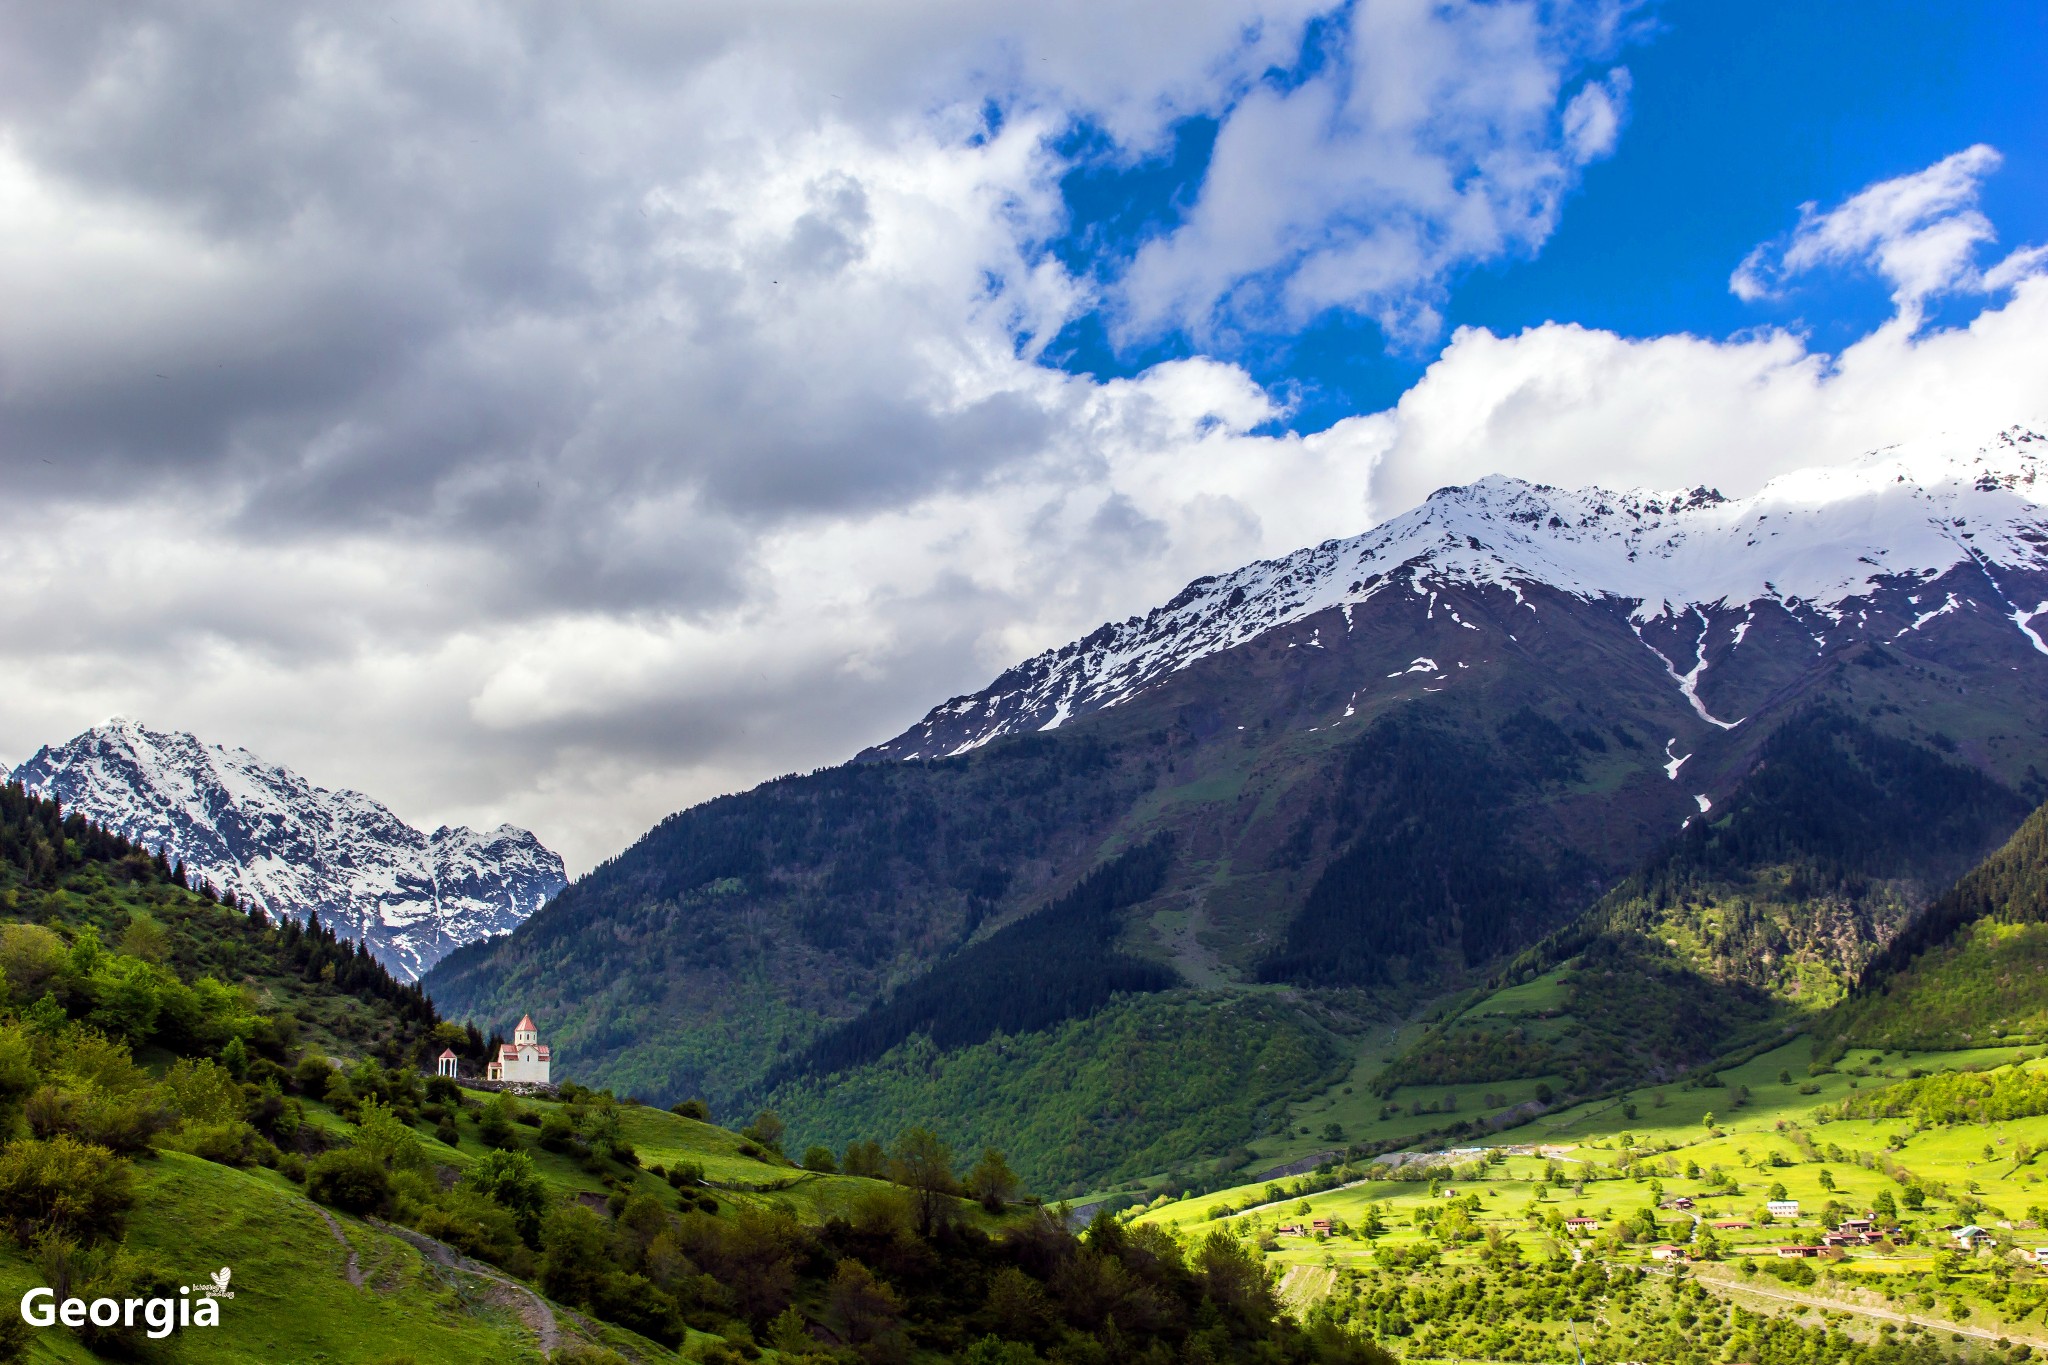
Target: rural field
[[1482, 1251]]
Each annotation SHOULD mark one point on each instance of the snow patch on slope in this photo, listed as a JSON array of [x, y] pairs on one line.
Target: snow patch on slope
[[1816, 541], [276, 840]]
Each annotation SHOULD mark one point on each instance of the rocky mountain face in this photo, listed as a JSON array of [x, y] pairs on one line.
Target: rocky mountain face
[[1380, 767], [277, 841], [1832, 556]]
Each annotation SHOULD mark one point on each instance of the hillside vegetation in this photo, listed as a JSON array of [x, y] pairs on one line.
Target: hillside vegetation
[[162, 1127]]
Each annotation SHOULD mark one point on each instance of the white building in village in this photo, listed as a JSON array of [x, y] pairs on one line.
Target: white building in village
[[525, 1058]]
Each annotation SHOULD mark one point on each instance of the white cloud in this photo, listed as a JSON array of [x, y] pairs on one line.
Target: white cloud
[[1431, 138], [1572, 405], [1920, 232]]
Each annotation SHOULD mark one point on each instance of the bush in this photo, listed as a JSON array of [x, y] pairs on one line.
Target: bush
[[350, 1179], [229, 1144], [475, 1226], [583, 1353], [447, 1132], [557, 1133], [494, 1123], [126, 1124], [313, 1075], [692, 1109], [508, 1180], [64, 1187]]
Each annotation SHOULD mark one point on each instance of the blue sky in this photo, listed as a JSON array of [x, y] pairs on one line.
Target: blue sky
[[1739, 111]]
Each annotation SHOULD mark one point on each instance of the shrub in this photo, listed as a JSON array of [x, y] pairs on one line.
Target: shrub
[[475, 1226], [313, 1075], [349, 1178], [583, 1353], [693, 1109], [122, 1123], [494, 1123], [557, 1133], [508, 1180], [229, 1144], [65, 1187]]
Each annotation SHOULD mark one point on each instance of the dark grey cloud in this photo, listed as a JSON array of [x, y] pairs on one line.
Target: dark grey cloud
[[564, 411]]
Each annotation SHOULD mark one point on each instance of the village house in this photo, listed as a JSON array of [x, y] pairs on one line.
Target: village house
[[1730, 1224], [1783, 1208], [1794, 1252], [525, 1058], [1667, 1251], [1970, 1237], [1583, 1224], [1680, 1203]]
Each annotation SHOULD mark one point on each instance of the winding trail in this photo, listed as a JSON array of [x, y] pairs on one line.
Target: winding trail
[[354, 1269], [533, 1310]]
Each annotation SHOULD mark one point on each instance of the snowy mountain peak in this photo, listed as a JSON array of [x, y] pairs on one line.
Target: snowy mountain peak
[[278, 841], [1816, 539]]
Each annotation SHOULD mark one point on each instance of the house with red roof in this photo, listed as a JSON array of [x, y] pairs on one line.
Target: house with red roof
[[525, 1058]]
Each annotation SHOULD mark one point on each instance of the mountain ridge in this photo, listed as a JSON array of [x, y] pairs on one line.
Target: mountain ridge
[[1648, 550], [273, 839]]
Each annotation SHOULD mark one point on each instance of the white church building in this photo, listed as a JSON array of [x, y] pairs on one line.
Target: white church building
[[525, 1058]]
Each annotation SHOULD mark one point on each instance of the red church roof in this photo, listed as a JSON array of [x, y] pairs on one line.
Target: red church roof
[[526, 1021]]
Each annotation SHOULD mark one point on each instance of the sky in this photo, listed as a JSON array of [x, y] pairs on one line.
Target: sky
[[562, 415]]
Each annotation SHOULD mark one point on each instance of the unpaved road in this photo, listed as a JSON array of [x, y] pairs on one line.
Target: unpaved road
[[1928, 1321]]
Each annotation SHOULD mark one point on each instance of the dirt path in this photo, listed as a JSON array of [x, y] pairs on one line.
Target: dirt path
[[533, 1310], [1815, 1301], [354, 1269]]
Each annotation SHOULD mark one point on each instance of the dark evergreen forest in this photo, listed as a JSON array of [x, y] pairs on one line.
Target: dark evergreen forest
[[1061, 963]]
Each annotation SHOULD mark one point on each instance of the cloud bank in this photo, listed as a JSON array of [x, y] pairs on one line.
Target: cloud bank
[[562, 416]]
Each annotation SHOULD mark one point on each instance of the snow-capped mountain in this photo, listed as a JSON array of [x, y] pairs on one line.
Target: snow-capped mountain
[[278, 841], [1862, 551]]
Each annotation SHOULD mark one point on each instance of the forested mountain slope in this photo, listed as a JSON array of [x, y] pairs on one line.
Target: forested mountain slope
[[1758, 916]]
